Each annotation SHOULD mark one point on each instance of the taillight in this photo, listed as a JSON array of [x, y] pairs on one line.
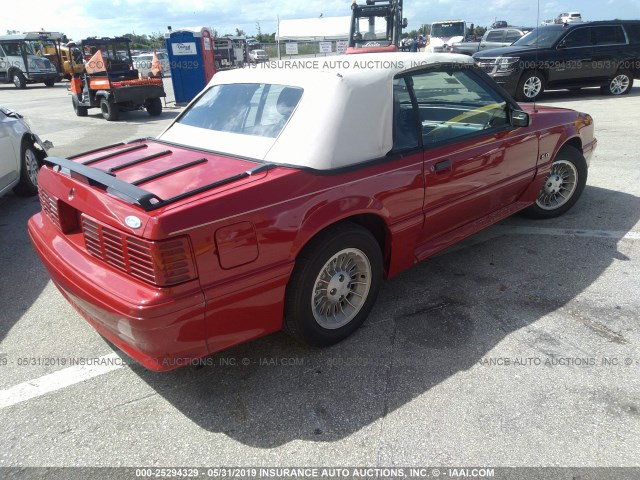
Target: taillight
[[162, 263], [173, 261], [63, 215]]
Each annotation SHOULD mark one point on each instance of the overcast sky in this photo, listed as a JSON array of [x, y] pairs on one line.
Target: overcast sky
[[82, 18]]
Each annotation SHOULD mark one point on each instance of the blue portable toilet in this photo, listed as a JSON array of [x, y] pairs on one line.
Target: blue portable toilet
[[192, 62]]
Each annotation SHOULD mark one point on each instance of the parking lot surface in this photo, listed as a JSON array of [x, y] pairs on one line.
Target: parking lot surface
[[518, 347]]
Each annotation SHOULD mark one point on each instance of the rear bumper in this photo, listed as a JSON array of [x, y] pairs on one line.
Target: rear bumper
[[588, 149], [162, 329], [137, 94]]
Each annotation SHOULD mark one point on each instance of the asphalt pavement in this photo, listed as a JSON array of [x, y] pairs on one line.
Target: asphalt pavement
[[518, 347]]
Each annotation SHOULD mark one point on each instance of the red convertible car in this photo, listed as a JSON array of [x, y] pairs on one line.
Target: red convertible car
[[280, 198]]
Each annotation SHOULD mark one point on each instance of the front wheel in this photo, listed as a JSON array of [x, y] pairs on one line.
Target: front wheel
[[334, 285], [29, 166], [79, 109], [620, 84], [50, 82], [19, 80], [110, 110], [562, 187], [530, 87]]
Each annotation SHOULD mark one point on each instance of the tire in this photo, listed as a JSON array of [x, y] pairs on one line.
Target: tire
[[153, 106], [620, 84], [530, 86], [29, 166], [320, 263], [568, 174], [19, 80], [79, 109], [109, 110], [50, 82]]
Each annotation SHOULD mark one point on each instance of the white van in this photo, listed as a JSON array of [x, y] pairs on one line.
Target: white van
[[20, 65]]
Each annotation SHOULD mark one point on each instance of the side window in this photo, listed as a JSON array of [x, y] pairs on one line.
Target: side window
[[512, 36], [12, 49], [456, 103], [609, 35], [405, 118], [580, 37], [495, 36], [633, 32]]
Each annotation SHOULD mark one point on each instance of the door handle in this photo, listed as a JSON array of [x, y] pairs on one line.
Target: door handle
[[441, 167]]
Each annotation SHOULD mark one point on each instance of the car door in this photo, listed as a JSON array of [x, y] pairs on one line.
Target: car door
[[9, 158], [610, 43], [494, 39], [475, 162], [4, 64], [573, 61]]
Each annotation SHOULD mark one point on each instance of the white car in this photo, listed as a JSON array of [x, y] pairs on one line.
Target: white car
[[142, 63], [571, 17], [21, 154], [258, 56]]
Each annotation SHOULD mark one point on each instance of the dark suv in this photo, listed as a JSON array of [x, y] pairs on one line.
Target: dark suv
[[570, 56]]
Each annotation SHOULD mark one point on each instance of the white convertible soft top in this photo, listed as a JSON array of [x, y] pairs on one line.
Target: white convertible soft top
[[343, 118]]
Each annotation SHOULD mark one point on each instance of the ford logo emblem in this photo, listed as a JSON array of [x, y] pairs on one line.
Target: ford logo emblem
[[133, 221]]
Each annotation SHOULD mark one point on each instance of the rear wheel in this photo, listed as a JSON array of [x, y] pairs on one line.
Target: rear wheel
[[79, 109], [153, 106], [334, 285], [50, 82], [19, 80], [619, 84], [530, 87], [29, 166], [110, 110], [562, 187]]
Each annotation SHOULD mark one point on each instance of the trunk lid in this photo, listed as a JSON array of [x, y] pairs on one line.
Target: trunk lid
[[127, 185], [165, 170]]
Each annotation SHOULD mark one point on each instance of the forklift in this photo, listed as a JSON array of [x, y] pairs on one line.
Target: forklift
[[110, 82], [363, 37], [53, 46]]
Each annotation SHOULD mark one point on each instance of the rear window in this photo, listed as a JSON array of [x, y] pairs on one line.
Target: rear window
[[258, 109], [495, 36], [512, 36]]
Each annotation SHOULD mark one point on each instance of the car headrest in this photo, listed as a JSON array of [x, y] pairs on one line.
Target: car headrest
[[287, 100]]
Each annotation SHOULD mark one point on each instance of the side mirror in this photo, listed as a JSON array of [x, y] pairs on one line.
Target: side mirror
[[405, 22], [520, 118]]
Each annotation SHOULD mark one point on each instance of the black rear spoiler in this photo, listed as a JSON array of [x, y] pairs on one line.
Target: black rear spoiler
[[131, 193]]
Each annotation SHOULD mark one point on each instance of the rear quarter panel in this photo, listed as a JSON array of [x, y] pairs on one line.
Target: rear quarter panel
[[288, 208]]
